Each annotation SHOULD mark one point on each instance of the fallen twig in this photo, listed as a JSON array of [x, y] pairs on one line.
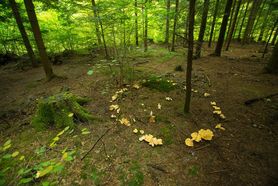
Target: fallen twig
[[96, 143]]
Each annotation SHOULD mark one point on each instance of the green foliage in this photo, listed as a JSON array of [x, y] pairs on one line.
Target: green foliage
[[135, 178], [159, 83], [96, 176], [193, 170], [60, 111], [167, 134]]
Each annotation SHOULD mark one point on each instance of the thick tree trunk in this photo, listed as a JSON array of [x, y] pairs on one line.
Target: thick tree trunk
[[252, 17], [243, 19], [136, 23], [167, 32], [274, 37], [272, 66], [264, 23], [38, 38], [223, 28], [213, 22], [269, 37], [189, 55], [175, 26], [202, 29], [231, 31], [146, 27], [96, 22], [23, 33]]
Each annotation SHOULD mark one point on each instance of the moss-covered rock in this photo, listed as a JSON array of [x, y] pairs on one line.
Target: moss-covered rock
[[60, 110]]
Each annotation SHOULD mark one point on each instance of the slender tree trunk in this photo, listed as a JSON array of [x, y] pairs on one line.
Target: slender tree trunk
[[238, 18], [213, 22], [272, 66], [38, 38], [253, 13], [202, 29], [136, 24], [234, 20], [175, 26], [264, 23], [270, 35], [258, 18], [274, 37], [168, 5], [96, 22], [231, 15], [243, 19], [223, 28], [23, 33], [189, 55], [146, 27]]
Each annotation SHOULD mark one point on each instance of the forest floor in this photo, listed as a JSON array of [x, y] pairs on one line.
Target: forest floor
[[246, 153]]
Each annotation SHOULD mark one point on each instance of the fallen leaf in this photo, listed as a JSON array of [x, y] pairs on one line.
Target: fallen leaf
[[113, 107], [217, 112], [219, 126], [206, 134], [153, 141], [113, 116], [189, 142], [15, 154], [135, 131], [216, 108], [124, 121], [206, 94], [196, 136], [70, 115], [213, 103], [44, 172], [168, 99], [142, 132], [152, 119], [90, 72], [159, 106], [136, 86], [114, 97]]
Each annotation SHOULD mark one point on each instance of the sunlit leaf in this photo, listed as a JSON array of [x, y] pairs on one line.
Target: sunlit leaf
[[44, 172], [219, 126], [16, 153], [90, 72]]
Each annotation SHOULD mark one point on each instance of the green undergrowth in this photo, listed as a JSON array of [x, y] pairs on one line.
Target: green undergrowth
[[167, 134], [134, 177], [60, 110], [159, 83]]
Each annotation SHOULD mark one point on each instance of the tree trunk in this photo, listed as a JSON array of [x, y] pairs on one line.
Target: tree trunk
[[146, 27], [252, 16], [136, 24], [38, 38], [189, 55], [270, 35], [243, 19], [213, 22], [264, 23], [96, 22], [261, 8], [167, 22], [231, 31], [23, 33], [223, 28], [202, 29], [272, 66], [101, 27], [231, 15], [274, 37], [175, 25]]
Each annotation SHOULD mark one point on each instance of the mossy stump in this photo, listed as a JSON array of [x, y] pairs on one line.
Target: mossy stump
[[60, 110]]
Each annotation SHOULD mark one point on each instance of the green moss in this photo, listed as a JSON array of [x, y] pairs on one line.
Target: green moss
[[167, 134], [159, 83], [57, 111]]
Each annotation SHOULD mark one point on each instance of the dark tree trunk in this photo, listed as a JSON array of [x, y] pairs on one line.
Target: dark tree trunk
[[146, 27], [272, 66], [189, 55], [167, 22], [252, 17], [175, 26], [231, 15], [213, 22], [223, 28], [23, 33], [243, 19], [38, 38], [269, 37], [136, 24], [231, 31], [202, 29], [96, 22], [264, 23], [274, 37]]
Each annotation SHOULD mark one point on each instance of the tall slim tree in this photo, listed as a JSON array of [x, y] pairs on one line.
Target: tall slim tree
[[38, 38], [257, 20], [269, 37], [232, 14], [23, 33], [167, 32], [223, 28], [275, 36], [265, 20], [252, 17], [136, 23], [96, 22], [189, 55], [213, 22], [234, 20], [243, 19], [175, 26], [146, 26], [202, 29]]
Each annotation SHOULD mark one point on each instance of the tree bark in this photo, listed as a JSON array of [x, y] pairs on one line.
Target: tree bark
[[270, 35], [167, 22], [213, 22], [231, 31], [243, 19], [274, 37], [136, 23], [272, 66], [175, 26], [202, 29], [264, 23], [38, 38], [252, 17], [223, 28], [231, 15], [261, 8], [96, 22], [189, 55], [146, 27], [23, 33]]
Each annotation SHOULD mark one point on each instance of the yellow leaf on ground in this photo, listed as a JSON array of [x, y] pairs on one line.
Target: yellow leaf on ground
[[213, 103], [189, 142], [136, 86], [206, 134], [113, 107], [21, 158], [222, 116], [113, 116], [218, 112], [70, 114], [168, 99], [142, 132], [152, 119], [124, 121], [216, 108], [114, 97], [196, 137], [44, 172], [15, 154], [135, 131], [159, 106], [206, 94], [219, 126]]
